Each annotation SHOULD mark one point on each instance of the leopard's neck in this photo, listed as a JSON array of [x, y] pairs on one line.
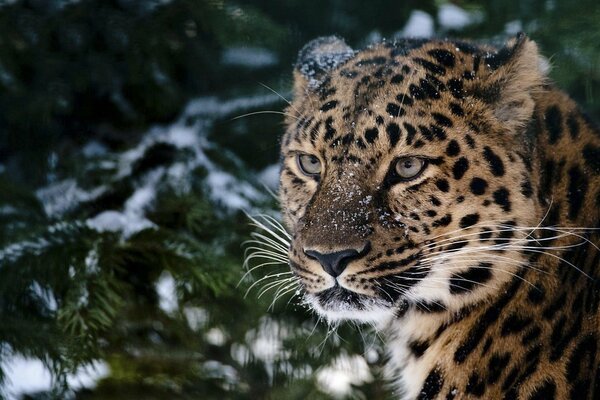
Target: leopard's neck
[[540, 333]]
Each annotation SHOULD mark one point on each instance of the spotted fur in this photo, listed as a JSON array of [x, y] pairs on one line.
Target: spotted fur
[[481, 272]]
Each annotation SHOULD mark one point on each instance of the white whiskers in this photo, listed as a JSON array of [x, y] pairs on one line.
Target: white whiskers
[[269, 248]]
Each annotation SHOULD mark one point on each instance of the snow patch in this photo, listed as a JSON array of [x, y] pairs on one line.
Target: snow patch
[[231, 192], [61, 197], [215, 336], [196, 317], [452, 17], [45, 295], [338, 378], [167, 294], [25, 375], [513, 27], [94, 149], [419, 24], [270, 176], [226, 373]]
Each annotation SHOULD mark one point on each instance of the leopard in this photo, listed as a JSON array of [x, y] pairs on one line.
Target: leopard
[[447, 193]]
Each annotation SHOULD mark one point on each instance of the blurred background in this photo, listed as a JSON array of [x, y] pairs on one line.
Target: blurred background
[[132, 142]]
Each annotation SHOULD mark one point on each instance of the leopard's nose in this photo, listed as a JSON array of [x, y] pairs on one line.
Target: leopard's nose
[[335, 262]]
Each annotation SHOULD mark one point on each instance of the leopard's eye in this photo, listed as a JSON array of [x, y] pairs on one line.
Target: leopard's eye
[[409, 167], [309, 164]]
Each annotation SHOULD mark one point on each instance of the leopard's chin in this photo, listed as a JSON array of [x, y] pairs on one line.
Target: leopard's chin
[[338, 304]]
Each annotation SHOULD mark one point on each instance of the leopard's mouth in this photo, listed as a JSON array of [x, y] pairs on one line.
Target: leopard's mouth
[[337, 297], [338, 303]]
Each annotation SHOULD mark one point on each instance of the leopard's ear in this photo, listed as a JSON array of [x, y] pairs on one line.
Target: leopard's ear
[[316, 59], [516, 72]]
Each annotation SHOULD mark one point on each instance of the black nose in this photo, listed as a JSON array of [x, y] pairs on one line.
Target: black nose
[[335, 263]]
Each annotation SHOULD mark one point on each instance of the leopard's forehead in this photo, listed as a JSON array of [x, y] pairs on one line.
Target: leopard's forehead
[[401, 96]]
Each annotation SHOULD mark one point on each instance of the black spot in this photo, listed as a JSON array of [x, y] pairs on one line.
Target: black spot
[[545, 392], [379, 120], [371, 134], [553, 307], [431, 67], [347, 139], [418, 144], [560, 339], [462, 282], [427, 134], [432, 386], [502, 198], [329, 105], [585, 349], [495, 162], [459, 244], [531, 335], [526, 188], [444, 221], [536, 294], [443, 185], [553, 120], [393, 131], [438, 132], [470, 141], [591, 155], [404, 100], [508, 386], [394, 110], [429, 89], [398, 78], [435, 82], [442, 56], [478, 186], [577, 189], [573, 125], [489, 94], [504, 236], [418, 347], [476, 62], [460, 167], [453, 148], [496, 366], [329, 129], [416, 92], [475, 385], [456, 88], [435, 201], [492, 313], [514, 324], [485, 234], [469, 220], [486, 346], [456, 110], [496, 60], [410, 132], [431, 213], [468, 75], [442, 120]]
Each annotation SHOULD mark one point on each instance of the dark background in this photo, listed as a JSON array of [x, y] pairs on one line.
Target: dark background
[[96, 99]]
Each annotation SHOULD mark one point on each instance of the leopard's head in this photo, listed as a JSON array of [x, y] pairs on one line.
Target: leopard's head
[[407, 173]]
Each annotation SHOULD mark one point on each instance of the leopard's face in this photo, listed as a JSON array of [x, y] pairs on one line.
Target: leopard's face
[[406, 180]]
